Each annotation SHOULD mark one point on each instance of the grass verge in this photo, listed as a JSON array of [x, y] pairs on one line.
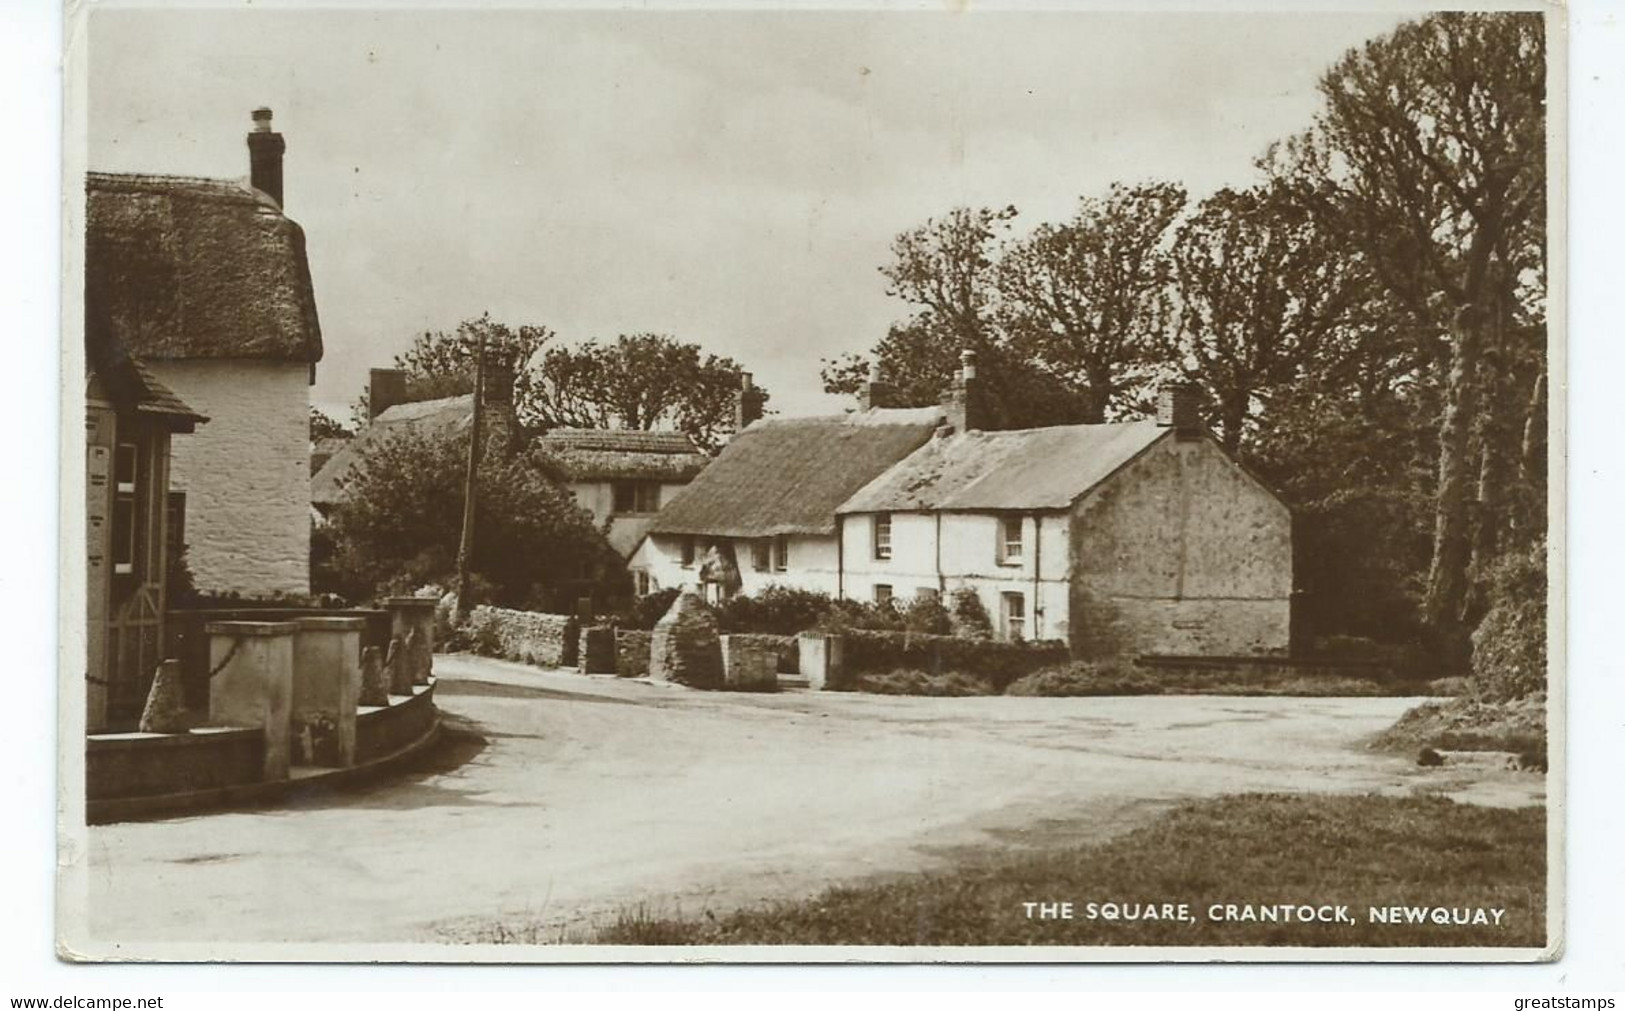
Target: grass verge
[[1255, 849], [1466, 724]]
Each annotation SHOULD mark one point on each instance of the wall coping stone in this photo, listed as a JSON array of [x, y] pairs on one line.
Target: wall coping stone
[[251, 628], [321, 624], [427, 603]]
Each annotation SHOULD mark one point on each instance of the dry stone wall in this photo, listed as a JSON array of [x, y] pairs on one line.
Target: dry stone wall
[[546, 640]]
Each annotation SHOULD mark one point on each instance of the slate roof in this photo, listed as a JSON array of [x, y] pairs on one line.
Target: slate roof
[[131, 385], [447, 416], [180, 267], [788, 475], [1035, 468], [592, 454]]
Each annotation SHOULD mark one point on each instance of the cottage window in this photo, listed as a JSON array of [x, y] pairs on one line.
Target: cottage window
[[882, 536], [761, 554], [637, 496], [781, 553], [644, 584], [1015, 616], [1010, 546], [883, 594], [124, 537], [687, 552]]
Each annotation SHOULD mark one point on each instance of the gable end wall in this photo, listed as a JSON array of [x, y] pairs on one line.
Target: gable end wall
[[1181, 552]]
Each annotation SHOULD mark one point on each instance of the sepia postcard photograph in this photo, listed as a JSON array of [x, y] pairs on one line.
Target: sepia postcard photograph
[[974, 484]]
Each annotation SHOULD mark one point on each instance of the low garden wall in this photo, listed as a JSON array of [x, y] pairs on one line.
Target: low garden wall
[[533, 637], [750, 662], [137, 765], [383, 731]]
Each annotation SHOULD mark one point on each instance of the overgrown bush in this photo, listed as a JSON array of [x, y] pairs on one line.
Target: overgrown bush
[[1509, 647], [908, 681], [871, 651], [775, 610], [967, 616], [926, 613], [1085, 678], [648, 609]]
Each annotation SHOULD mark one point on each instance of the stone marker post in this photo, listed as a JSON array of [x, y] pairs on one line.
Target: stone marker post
[[398, 668], [597, 652], [821, 659], [166, 702], [374, 678], [414, 613], [685, 647], [326, 688], [253, 682]]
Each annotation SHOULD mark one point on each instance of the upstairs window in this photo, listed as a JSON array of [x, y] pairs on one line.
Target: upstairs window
[[1010, 546], [781, 553], [761, 555], [637, 497], [882, 536]]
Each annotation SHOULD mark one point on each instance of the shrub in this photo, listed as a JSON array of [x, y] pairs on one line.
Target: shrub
[[1509, 646], [969, 619], [1087, 678], [925, 613], [997, 663], [649, 608], [775, 610], [908, 681]]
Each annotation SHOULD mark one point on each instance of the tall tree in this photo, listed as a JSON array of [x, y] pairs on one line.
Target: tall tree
[[1087, 299], [1259, 292], [1433, 139]]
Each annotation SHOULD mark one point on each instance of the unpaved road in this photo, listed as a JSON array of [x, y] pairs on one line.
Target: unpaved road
[[560, 799]]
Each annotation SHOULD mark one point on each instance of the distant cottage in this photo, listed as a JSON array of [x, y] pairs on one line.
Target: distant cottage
[[205, 282], [622, 478], [1121, 539]]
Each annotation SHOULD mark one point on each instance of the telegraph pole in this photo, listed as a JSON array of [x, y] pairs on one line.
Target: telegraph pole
[[465, 546]]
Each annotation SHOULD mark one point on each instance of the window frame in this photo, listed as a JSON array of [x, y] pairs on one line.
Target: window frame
[[1015, 625], [883, 593], [781, 553], [761, 555], [634, 497], [880, 531], [1005, 555], [686, 552]]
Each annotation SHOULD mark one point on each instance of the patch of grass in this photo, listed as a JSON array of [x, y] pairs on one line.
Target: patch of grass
[[1100, 679], [1469, 724], [1257, 849]]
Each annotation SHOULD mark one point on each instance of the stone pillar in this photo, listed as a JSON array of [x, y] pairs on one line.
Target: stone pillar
[[398, 668], [412, 612], [598, 649], [166, 702], [253, 683], [374, 678], [685, 647], [326, 688], [821, 659]]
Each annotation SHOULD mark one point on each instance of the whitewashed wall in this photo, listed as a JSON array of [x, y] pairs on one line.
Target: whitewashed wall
[[246, 473]]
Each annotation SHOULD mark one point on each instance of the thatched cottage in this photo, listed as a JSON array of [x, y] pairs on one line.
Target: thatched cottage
[[1121, 539], [205, 281]]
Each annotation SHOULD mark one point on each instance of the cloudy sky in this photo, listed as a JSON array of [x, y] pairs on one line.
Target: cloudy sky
[[731, 178]]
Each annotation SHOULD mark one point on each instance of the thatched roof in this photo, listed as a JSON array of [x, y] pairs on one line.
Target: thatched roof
[[177, 267], [1035, 468], [788, 475], [446, 417], [592, 454]]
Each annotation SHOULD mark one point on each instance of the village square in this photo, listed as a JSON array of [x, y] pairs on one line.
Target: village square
[[1181, 549]]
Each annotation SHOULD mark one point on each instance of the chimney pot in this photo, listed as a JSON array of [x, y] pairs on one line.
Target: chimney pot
[[876, 392], [747, 403], [265, 149]]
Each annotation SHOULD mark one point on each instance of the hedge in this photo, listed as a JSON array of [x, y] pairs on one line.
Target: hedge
[[997, 663]]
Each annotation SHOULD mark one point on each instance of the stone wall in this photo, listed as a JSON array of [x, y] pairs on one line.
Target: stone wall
[[546, 640], [246, 474], [632, 652], [750, 663]]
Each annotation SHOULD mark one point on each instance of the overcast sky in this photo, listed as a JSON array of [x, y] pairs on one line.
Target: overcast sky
[[733, 179]]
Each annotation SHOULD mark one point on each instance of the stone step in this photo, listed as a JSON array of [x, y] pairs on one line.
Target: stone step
[[793, 681]]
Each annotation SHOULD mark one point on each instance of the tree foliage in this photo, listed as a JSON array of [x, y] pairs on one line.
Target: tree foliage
[[637, 381], [399, 523]]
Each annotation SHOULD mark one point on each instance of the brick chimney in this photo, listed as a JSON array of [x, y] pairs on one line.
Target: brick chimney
[[385, 389], [964, 402], [747, 403], [1179, 407], [265, 149], [501, 425], [876, 391]]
